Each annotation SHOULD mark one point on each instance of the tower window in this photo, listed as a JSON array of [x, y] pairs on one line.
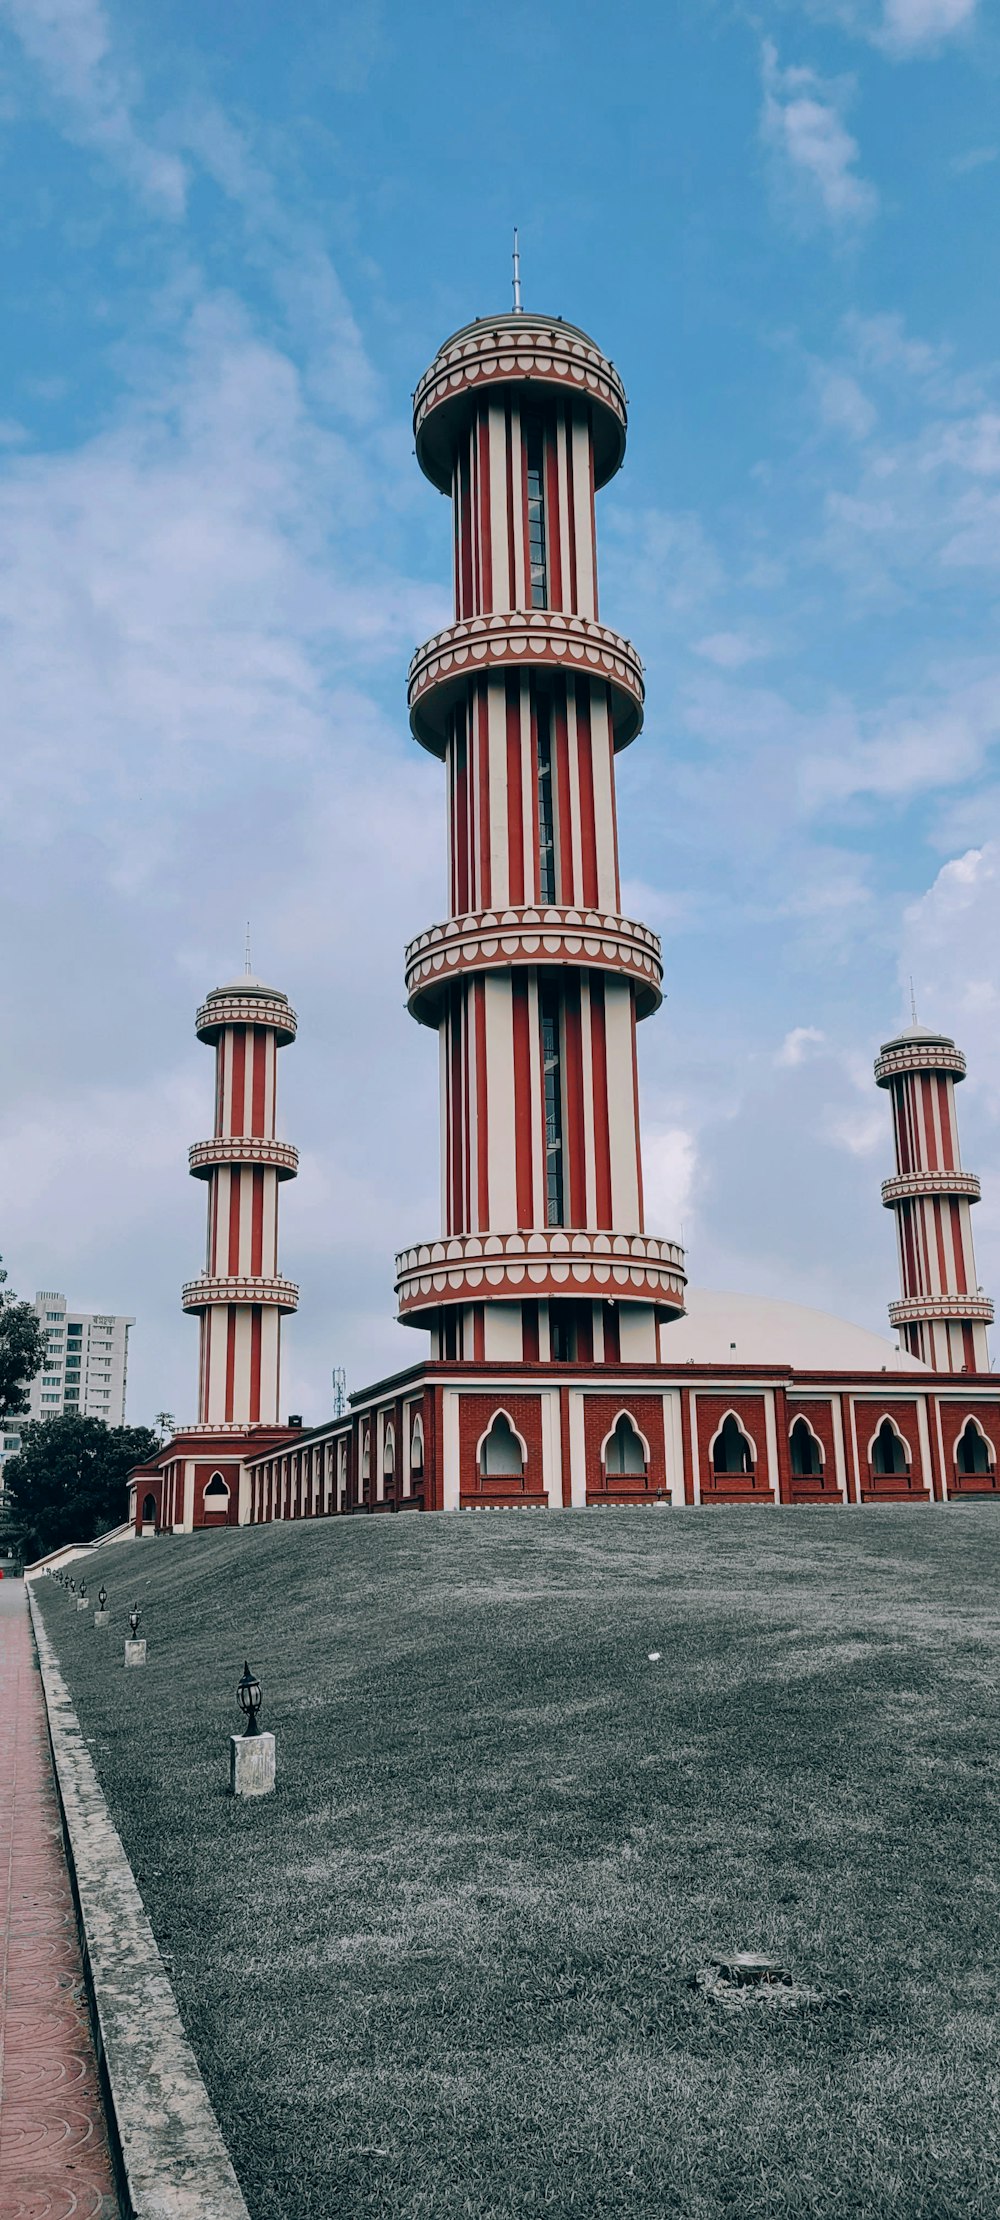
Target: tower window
[[546, 820], [535, 459], [551, 1060]]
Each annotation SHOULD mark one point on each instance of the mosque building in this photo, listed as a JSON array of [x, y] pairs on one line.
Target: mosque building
[[563, 1362]]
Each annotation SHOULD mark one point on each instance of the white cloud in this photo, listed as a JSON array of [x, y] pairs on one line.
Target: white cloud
[[975, 158], [909, 26], [797, 1045], [669, 1167], [843, 405], [802, 124], [69, 42], [730, 650]]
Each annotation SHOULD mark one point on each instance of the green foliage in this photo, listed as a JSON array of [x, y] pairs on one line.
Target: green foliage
[[68, 1484], [22, 1348]]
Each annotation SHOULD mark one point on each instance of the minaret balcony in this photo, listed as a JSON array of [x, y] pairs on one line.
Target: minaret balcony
[[900, 1057], [915, 1310], [244, 1150], [514, 349], [494, 940], [498, 1267], [544, 639], [907, 1185], [249, 1005], [209, 1290]]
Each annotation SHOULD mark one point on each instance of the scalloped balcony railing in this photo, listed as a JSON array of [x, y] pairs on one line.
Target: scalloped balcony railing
[[209, 1289], [636, 1268], [493, 940], [245, 1149], [919, 1056], [507, 350], [913, 1310], [907, 1185], [246, 1009], [546, 638]]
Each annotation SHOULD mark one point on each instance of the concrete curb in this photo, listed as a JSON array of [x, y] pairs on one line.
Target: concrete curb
[[174, 2163]]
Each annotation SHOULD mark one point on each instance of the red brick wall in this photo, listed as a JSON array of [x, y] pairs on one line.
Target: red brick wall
[[599, 1415], [868, 1418], [474, 1415], [231, 1476], [953, 1421], [749, 1410]]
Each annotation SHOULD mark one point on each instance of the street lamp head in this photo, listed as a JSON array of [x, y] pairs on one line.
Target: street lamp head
[[72, 1587], [102, 1599], [249, 1698], [133, 1619]]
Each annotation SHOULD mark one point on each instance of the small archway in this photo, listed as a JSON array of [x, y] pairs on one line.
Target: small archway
[[417, 1452], [149, 1510], [974, 1452], [366, 1463], [732, 1449], [389, 1459], [888, 1453], [502, 1454], [625, 1450], [806, 1451]]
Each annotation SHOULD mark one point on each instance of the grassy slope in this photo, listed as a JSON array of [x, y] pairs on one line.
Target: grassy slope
[[444, 1970]]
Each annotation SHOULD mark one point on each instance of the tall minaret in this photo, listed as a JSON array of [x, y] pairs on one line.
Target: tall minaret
[[942, 1316], [239, 1296], [535, 981]]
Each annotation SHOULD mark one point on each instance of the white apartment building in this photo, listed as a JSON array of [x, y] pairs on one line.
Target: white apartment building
[[85, 1369]]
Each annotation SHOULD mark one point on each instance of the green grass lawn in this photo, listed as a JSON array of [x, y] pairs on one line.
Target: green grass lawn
[[445, 1969]]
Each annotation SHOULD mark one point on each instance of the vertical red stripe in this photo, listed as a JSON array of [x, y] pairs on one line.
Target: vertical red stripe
[[588, 821], [510, 504], [482, 1110], [455, 1045], [478, 1333], [961, 1282], [234, 1220], [533, 890], [574, 584], [614, 800], [213, 1225], [230, 1362], [485, 513], [515, 812], [465, 529], [220, 1079], [635, 1099], [257, 1222], [256, 1317], [237, 1113], [602, 1137], [969, 1347], [565, 859], [612, 1336], [574, 1141], [468, 1050], [529, 1333], [460, 748], [944, 1110], [930, 1139], [944, 1281], [258, 1079], [524, 1169], [485, 874]]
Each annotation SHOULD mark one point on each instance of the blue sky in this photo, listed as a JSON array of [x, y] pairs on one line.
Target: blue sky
[[232, 239]]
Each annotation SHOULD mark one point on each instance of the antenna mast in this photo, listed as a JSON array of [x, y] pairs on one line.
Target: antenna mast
[[246, 953], [517, 275]]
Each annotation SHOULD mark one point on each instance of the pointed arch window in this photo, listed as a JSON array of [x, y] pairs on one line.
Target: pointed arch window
[[501, 1451], [625, 1450], [806, 1456], [972, 1450], [366, 1461], [417, 1450], [389, 1455], [731, 1451], [217, 1487], [889, 1450], [149, 1510]]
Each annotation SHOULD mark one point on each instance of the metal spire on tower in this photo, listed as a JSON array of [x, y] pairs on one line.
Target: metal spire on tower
[[517, 275], [247, 966]]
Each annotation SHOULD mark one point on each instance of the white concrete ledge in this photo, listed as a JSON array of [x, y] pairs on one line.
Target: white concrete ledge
[[173, 2158]]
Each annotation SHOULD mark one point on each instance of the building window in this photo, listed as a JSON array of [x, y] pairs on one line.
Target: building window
[[217, 1488], [624, 1450], [972, 1450], [535, 459], [888, 1451], [417, 1451], [731, 1450], [366, 1461], [806, 1461], [548, 1001], [149, 1510], [501, 1452], [546, 817], [388, 1459]]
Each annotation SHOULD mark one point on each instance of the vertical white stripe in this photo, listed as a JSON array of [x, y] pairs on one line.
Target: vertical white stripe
[[621, 1107], [572, 887], [450, 1453], [529, 836], [577, 1452], [602, 754], [771, 1437], [499, 849], [586, 582], [500, 1100], [522, 598], [502, 598], [537, 1108], [589, 1143], [562, 524]]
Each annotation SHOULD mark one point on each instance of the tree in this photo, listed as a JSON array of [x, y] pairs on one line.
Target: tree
[[68, 1484], [22, 1348]]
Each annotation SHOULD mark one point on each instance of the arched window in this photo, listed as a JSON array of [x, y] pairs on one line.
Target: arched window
[[501, 1451], [366, 1457], [807, 1461], [417, 1449], [389, 1456], [888, 1451], [624, 1449], [149, 1510], [731, 1450], [972, 1450], [217, 1487]]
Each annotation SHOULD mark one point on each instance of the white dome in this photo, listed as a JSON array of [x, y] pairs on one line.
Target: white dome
[[766, 1332]]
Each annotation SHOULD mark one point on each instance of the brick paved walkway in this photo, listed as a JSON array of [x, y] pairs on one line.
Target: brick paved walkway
[[54, 2160]]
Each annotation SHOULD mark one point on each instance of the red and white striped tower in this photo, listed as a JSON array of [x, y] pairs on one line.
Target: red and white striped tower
[[942, 1317], [535, 980], [240, 1297]]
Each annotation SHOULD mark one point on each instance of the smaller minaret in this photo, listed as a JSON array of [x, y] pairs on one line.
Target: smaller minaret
[[942, 1317], [240, 1297]]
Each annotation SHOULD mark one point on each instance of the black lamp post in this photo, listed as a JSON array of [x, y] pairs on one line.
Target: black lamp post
[[249, 1697], [133, 1619], [83, 1591], [72, 1587], [102, 1599]]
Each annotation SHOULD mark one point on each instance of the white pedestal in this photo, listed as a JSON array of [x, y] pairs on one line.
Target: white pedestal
[[82, 1603], [135, 1652], [101, 1618], [251, 1764]]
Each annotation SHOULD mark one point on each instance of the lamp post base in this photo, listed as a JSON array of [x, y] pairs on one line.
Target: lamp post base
[[82, 1604], [251, 1764], [135, 1652], [101, 1618]]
